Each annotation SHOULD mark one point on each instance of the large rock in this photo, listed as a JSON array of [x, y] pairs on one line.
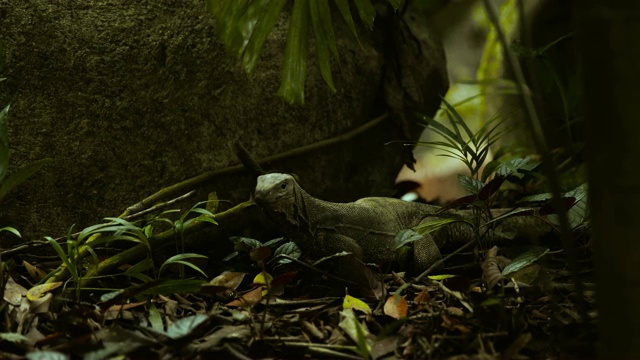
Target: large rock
[[129, 97]]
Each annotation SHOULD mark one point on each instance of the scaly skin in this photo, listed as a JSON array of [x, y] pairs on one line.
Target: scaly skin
[[367, 227]]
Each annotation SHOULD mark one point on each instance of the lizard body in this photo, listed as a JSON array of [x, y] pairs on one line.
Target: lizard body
[[367, 227]]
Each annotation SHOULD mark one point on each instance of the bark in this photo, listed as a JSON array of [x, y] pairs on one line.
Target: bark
[[610, 55]]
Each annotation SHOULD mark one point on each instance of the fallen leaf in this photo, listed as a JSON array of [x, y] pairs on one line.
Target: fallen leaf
[[38, 291], [356, 304], [396, 306], [251, 298]]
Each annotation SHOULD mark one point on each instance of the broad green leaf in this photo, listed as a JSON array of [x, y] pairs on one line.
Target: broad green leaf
[[295, 55], [155, 318], [46, 355], [511, 167], [243, 243], [405, 237], [289, 249], [13, 337], [322, 45], [184, 326], [4, 142], [273, 242], [352, 327], [260, 33], [472, 185], [580, 209], [366, 11], [524, 259], [343, 7]]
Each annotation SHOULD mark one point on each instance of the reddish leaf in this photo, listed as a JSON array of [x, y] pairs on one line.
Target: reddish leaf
[[396, 307], [491, 188], [251, 298], [548, 208], [463, 201], [284, 278], [260, 254]]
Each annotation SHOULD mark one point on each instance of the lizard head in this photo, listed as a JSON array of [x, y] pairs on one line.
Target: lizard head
[[276, 194]]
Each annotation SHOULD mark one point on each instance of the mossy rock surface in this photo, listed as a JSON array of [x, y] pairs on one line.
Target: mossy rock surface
[[129, 97]]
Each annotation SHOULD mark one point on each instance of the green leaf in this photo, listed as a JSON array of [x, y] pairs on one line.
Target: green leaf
[[229, 24], [249, 19], [367, 12], [13, 337], [524, 259], [4, 143], [184, 326], [490, 168], [214, 6], [179, 259], [343, 7], [431, 226], [327, 24], [273, 242], [472, 185], [244, 243], [405, 237], [295, 55], [46, 355], [20, 176], [260, 33], [395, 4], [180, 286], [322, 45], [511, 167], [155, 318], [512, 213], [579, 211], [289, 249], [12, 230]]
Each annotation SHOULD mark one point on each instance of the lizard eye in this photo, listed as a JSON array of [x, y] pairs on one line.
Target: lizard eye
[[283, 185]]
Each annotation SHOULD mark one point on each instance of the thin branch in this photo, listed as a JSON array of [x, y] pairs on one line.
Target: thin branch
[[543, 148], [194, 181]]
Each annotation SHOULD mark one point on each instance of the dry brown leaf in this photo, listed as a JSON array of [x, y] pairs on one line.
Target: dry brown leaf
[[491, 273], [251, 298], [396, 307]]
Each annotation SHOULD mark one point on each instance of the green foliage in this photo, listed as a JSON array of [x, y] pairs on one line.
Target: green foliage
[[180, 259], [460, 142], [244, 25], [9, 182]]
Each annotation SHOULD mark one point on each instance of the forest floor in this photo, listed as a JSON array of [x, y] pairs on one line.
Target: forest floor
[[537, 313]]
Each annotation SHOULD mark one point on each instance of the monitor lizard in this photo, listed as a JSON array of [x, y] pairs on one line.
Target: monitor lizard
[[365, 228]]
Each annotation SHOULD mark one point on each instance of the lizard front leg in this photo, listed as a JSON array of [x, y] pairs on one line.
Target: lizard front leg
[[349, 267]]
